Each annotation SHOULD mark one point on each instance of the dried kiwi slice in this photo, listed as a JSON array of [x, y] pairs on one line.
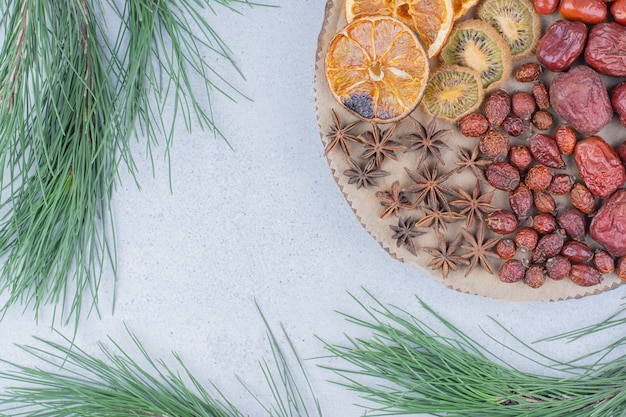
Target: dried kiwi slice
[[516, 21], [452, 92], [477, 45]]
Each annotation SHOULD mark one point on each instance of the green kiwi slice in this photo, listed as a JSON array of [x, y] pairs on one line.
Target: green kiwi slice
[[477, 45], [452, 92], [516, 21]]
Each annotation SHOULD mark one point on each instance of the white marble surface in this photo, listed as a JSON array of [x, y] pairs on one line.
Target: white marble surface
[[267, 222]]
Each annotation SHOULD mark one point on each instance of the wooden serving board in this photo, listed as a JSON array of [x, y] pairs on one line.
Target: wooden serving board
[[366, 205]]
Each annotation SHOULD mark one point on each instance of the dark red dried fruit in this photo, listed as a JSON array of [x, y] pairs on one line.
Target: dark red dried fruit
[[506, 248], [621, 152], [523, 105], [558, 267], [538, 178], [548, 247], [502, 222], [520, 157], [573, 222], [541, 94], [544, 202], [576, 251], [497, 106], [512, 270], [521, 200], [544, 223], [562, 43], [494, 145], [586, 11], [473, 125], [502, 176], [608, 226], [528, 72], [546, 151], [618, 100], [618, 11], [603, 262], [535, 276], [526, 239], [581, 99], [599, 166], [585, 275], [606, 49], [621, 268], [565, 138], [543, 120], [515, 126], [582, 198], [561, 184]]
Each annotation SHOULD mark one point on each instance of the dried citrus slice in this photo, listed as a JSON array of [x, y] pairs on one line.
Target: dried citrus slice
[[431, 19], [377, 68], [461, 7]]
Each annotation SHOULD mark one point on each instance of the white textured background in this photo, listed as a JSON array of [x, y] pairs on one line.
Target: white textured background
[[267, 222]]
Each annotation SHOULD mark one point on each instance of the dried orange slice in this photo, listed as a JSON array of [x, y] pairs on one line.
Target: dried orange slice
[[461, 7], [377, 68], [431, 19]]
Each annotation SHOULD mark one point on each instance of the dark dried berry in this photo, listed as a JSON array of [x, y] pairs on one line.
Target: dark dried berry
[[528, 72], [541, 94], [558, 267], [538, 178], [548, 247], [502, 222], [506, 248], [535, 276], [521, 200], [520, 157], [502, 176], [603, 262], [561, 184], [523, 105], [494, 145], [576, 251], [497, 107], [473, 125], [621, 268], [512, 270], [545, 150], [544, 223], [585, 275], [515, 126], [526, 239], [582, 198], [544, 202], [565, 138], [543, 120], [573, 222]]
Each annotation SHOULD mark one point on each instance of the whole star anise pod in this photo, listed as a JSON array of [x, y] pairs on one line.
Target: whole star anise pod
[[428, 185], [475, 205], [393, 200], [363, 177], [471, 160], [427, 140], [444, 257], [437, 219], [404, 233], [478, 249], [379, 144], [339, 135]]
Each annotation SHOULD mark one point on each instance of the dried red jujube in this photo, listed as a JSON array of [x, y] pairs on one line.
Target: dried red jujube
[[606, 49], [599, 166], [562, 43], [608, 226]]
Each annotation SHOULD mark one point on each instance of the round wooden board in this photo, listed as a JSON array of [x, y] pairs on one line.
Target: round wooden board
[[366, 205]]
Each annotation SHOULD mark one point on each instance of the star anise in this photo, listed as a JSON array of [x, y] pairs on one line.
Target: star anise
[[444, 257], [363, 177], [437, 219], [427, 140], [339, 135], [379, 144], [404, 233], [475, 205], [429, 186], [393, 200], [478, 249], [471, 160]]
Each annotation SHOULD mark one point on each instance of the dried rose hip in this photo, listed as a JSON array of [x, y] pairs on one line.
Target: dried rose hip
[[618, 11], [621, 268], [608, 226], [618, 99], [526, 239], [512, 270], [582, 198], [581, 99], [506, 248], [544, 223], [502, 222], [558, 267], [520, 157], [494, 145], [473, 125], [573, 222], [528, 72], [606, 49], [603, 262], [546, 151], [587, 11], [561, 184], [535, 276], [544, 202], [565, 138], [541, 94], [599, 166], [543, 120], [515, 126], [523, 105], [538, 177], [562, 43], [521, 200], [585, 275], [548, 247], [497, 106], [502, 176], [576, 251]]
